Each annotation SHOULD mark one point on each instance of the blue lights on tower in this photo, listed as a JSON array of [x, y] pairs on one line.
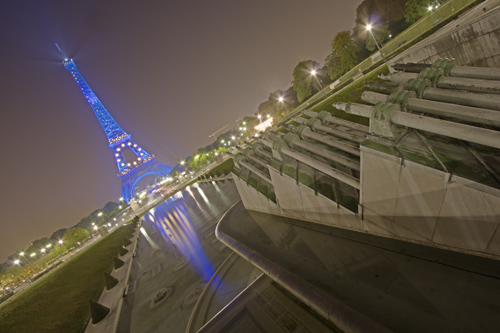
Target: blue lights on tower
[[129, 172]]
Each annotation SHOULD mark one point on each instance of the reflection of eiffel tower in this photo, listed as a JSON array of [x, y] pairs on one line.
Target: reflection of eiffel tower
[[129, 172]]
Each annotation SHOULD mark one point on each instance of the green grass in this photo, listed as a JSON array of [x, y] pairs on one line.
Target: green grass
[[60, 302], [352, 93]]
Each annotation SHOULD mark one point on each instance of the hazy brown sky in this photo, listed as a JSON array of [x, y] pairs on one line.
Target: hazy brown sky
[[169, 72]]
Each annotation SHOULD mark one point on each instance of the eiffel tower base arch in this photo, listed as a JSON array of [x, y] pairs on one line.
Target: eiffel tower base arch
[[130, 179]]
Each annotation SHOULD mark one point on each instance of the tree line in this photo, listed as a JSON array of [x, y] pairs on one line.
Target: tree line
[[348, 48], [42, 252]]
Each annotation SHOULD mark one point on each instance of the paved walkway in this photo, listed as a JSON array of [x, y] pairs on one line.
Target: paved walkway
[[177, 254]]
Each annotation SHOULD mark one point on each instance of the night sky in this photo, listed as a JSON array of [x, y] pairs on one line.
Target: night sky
[[169, 72]]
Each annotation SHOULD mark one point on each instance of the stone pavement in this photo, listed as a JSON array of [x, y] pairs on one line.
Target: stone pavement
[[177, 254]]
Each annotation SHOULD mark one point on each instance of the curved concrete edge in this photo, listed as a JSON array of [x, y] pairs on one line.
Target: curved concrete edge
[[335, 311], [196, 320], [211, 325]]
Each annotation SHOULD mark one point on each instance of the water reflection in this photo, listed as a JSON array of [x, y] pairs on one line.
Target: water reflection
[[200, 190], [183, 224], [150, 241]]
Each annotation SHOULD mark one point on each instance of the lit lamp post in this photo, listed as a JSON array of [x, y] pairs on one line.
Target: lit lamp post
[[369, 28], [282, 100], [29, 263], [29, 278], [313, 73]]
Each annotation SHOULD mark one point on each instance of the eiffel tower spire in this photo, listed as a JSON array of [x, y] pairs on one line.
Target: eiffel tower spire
[[129, 171]]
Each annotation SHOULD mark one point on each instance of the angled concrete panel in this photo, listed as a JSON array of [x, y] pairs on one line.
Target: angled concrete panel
[[468, 218], [420, 195], [379, 184]]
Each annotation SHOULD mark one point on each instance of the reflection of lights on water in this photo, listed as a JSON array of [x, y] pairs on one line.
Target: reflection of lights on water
[[203, 211], [216, 186], [150, 241], [203, 195], [176, 226]]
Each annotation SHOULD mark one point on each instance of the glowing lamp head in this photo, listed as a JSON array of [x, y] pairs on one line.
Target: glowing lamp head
[[369, 27], [21, 253], [313, 72], [16, 262], [430, 8], [281, 99]]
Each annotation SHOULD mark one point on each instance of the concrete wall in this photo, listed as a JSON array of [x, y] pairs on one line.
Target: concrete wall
[[298, 202], [253, 199], [427, 205], [475, 43], [417, 203]]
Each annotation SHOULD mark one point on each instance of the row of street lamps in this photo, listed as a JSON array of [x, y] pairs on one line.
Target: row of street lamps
[[314, 73]]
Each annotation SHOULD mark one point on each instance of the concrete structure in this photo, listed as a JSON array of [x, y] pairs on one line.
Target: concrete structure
[[422, 180], [472, 40], [387, 227], [426, 173]]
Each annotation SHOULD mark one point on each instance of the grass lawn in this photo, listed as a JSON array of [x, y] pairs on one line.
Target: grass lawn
[[59, 302], [351, 93]]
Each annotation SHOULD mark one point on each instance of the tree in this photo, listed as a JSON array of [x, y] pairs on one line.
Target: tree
[[57, 235], [198, 160], [333, 66], [58, 250], [345, 54], [381, 33], [302, 79], [415, 9], [378, 11], [73, 236]]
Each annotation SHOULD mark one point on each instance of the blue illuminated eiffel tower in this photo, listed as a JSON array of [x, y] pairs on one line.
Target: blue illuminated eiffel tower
[[129, 172]]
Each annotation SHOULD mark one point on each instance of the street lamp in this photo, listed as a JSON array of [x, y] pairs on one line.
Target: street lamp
[[282, 100], [313, 73], [29, 263], [369, 28], [17, 263]]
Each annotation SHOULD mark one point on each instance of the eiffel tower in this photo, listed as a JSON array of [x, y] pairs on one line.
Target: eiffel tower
[[131, 171]]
